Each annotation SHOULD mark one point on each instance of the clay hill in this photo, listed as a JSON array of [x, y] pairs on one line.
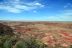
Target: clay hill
[[50, 33]]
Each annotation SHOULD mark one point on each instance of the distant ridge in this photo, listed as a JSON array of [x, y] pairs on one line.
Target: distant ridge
[[35, 21]]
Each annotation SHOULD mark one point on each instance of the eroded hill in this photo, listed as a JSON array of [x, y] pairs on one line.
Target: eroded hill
[[49, 33]]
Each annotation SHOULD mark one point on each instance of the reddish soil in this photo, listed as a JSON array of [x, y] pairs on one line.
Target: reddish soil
[[49, 33]]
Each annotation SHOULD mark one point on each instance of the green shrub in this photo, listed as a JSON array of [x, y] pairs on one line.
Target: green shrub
[[7, 41], [70, 46], [13, 42], [3, 39], [30, 43], [21, 44], [7, 44]]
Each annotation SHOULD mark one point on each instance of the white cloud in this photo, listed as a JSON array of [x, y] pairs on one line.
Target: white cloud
[[14, 10], [15, 6], [37, 4], [67, 10], [10, 9], [68, 5], [65, 15], [35, 11]]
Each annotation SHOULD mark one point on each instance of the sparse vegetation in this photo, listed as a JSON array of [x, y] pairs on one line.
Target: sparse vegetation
[[35, 36], [13, 42], [70, 46], [8, 41], [30, 43]]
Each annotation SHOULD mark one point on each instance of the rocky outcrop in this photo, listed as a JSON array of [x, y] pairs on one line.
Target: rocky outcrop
[[5, 30]]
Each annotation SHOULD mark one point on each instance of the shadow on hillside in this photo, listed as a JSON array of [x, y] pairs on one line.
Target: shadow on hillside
[[5, 30]]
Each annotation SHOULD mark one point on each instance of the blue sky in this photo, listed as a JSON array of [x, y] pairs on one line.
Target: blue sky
[[36, 10]]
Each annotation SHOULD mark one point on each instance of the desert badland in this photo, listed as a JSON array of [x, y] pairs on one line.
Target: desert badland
[[51, 34]]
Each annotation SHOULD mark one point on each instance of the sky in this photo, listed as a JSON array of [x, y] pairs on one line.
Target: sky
[[36, 10]]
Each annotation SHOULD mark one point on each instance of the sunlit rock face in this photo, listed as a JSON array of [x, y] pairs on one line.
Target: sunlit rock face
[[5, 30]]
